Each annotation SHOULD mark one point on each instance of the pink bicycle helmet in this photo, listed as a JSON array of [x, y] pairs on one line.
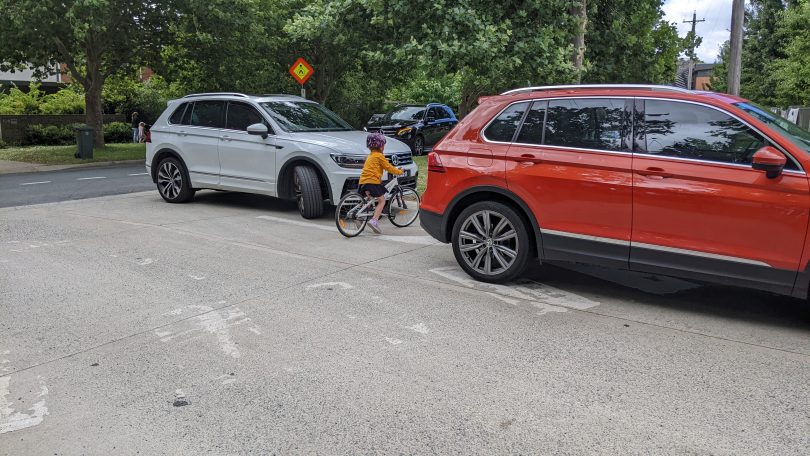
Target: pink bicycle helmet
[[375, 141]]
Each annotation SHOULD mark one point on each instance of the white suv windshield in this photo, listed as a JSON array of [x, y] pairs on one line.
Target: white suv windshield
[[301, 116]]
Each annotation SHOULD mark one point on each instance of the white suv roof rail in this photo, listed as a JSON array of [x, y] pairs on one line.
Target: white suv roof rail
[[653, 87], [286, 95], [234, 94]]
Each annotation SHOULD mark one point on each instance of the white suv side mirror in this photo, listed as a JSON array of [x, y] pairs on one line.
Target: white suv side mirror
[[258, 129]]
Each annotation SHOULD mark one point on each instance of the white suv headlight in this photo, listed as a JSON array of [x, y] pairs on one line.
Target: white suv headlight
[[349, 161]]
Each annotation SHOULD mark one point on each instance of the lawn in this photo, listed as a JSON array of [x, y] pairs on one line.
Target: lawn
[[63, 155], [421, 162]]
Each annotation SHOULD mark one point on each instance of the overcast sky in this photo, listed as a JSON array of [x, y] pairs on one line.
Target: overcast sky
[[714, 31]]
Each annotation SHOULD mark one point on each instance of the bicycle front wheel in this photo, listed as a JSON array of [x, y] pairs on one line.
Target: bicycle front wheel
[[348, 217], [404, 207]]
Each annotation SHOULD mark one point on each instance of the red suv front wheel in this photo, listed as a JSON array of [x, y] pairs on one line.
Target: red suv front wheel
[[490, 242]]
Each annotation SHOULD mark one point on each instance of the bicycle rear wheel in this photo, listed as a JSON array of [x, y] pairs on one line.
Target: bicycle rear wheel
[[404, 207], [346, 219]]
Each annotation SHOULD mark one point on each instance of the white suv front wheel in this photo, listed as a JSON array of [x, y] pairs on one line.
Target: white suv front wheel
[[308, 193]]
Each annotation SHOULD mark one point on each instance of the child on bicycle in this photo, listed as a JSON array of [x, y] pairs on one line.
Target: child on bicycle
[[371, 176]]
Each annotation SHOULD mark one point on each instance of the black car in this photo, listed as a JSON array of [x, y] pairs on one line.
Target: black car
[[419, 126]]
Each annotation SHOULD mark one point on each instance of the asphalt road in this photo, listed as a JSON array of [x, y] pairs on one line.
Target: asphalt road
[[232, 326], [34, 188]]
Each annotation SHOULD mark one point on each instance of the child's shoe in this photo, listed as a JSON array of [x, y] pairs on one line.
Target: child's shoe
[[375, 225]]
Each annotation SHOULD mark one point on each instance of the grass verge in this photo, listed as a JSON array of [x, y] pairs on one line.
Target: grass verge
[[421, 183], [63, 155]]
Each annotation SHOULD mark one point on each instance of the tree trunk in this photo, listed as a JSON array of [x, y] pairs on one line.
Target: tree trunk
[[580, 11], [95, 112]]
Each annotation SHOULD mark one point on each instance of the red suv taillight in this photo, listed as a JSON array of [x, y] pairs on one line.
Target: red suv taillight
[[435, 163]]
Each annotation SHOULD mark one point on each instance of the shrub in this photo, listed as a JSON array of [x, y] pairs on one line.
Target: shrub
[[117, 132], [66, 101], [50, 135]]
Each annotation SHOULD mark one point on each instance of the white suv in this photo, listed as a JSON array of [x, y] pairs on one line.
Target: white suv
[[277, 145]]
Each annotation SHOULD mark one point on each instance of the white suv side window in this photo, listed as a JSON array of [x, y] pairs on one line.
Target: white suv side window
[[242, 115]]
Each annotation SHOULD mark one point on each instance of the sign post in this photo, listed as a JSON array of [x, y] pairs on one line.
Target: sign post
[[301, 71]]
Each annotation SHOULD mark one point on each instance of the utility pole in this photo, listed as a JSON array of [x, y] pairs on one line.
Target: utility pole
[[692, 57], [735, 47]]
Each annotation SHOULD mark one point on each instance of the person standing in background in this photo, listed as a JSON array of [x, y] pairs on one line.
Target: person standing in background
[[135, 124]]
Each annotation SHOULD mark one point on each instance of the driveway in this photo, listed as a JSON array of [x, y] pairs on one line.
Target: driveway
[[232, 326]]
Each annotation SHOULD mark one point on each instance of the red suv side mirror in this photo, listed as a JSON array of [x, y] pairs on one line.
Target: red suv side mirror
[[770, 160]]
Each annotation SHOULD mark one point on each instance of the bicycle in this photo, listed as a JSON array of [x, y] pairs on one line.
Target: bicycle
[[355, 210]]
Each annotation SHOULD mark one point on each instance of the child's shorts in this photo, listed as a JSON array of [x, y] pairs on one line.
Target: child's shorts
[[375, 190]]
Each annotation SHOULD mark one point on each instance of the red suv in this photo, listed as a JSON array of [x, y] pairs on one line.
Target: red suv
[[655, 179]]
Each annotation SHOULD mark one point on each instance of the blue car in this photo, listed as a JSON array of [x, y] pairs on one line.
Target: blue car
[[419, 126]]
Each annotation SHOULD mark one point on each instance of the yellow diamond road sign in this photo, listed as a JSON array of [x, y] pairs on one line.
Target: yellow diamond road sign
[[301, 71]]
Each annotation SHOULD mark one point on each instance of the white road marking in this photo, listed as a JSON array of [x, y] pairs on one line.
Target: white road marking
[[228, 381], [393, 341], [144, 261], [421, 328], [543, 297], [91, 178], [13, 421], [212, 322], [137, 174], [195, 277], [420, 240], [36, 183], [343, 285]]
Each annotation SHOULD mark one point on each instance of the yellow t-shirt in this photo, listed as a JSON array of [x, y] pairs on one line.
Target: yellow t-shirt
[[374, 166]]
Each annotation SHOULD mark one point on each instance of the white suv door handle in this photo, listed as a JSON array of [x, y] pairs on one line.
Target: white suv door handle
[[226, 138], [182, 133]]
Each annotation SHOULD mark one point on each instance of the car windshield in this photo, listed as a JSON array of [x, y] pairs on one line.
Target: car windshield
[[301, 116], [406, 113], [786, 128]]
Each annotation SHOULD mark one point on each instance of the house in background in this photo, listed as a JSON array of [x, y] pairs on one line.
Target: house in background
[[701, 75], [22, 80]]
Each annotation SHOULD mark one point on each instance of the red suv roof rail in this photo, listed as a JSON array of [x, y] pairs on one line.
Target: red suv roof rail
[[661, 88]]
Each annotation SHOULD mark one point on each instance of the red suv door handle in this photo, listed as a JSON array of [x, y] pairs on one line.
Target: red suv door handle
[[656, 172], [528, 160]]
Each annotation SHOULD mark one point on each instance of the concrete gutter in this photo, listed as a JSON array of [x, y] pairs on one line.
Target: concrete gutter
[[14, 167]]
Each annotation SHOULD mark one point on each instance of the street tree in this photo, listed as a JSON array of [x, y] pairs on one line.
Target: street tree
[[628, 41], [94, 39]]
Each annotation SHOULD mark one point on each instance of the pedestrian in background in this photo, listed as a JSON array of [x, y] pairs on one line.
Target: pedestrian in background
[[141, 135], [135, 122]]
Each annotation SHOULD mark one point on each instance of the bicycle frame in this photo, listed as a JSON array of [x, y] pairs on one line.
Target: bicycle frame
[[392, 188]]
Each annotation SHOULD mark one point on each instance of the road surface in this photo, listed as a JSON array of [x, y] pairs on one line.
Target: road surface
[[230, 325], [33, 188]]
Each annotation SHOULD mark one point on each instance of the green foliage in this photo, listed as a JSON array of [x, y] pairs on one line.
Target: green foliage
[[424, 87], [776, 55], [66, 101], [229, 45], [627, 41], [719, 81], [93, 38], [69, 100], [117, 132], [125, 95], [55, 135], [18, 102], [50, 135], [763, 45], [792, 73]]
